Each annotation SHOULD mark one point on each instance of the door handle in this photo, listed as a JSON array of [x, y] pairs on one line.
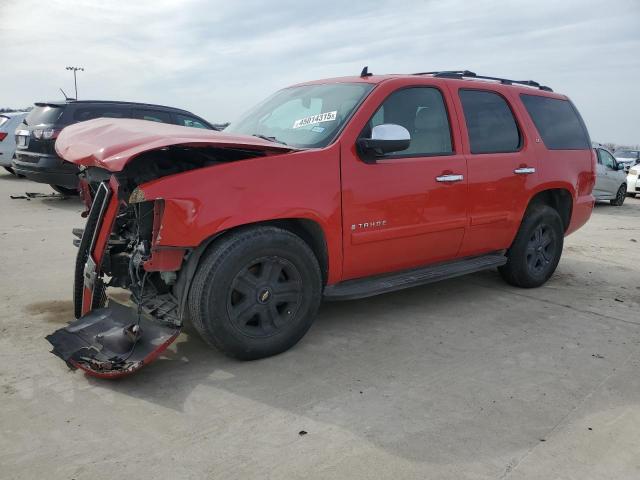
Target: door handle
[[450, 178], [524, 170]]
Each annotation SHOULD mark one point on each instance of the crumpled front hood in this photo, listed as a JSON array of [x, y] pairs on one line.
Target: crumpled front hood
[[112, 143]]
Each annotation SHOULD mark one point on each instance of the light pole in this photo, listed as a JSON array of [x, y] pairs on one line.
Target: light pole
[[75, 82]]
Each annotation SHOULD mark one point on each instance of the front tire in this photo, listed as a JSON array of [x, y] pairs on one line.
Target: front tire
[[536, 250], [620, 196], [256, 292]]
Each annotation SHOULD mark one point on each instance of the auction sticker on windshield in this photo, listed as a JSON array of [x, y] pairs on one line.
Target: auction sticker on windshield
[[313, 119]]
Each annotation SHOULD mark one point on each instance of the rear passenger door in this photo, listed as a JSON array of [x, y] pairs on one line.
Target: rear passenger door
[[501, 166]]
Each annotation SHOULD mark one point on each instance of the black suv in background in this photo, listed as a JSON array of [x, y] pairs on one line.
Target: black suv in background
[[36, 157]]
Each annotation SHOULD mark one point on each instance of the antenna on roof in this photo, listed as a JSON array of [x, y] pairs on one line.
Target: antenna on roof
[[65, 95], [365, 72]]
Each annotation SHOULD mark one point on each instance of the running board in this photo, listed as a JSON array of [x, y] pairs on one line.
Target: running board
[[370, 286]]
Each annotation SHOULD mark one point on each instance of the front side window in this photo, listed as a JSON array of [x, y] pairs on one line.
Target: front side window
[[186, 121], [606, 159], [308, 116], [422, 112], [490, 122], [558, 122]]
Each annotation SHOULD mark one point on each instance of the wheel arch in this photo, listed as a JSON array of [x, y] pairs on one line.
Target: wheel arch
[[558, 198], [310, 231]]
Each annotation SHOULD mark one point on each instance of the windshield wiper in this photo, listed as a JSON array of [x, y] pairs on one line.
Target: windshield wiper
[[271, 139]]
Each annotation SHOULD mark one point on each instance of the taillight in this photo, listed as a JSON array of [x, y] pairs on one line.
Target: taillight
[[46, 134], [3, 135]]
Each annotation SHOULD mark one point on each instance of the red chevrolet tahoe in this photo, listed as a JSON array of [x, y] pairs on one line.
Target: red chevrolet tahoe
[[333, 189]]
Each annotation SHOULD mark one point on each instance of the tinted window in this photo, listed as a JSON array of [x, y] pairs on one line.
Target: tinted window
[[186, 121], [152, 115], [89, 113], [490, 122], [422, 112], [558, 123], [44, 115]]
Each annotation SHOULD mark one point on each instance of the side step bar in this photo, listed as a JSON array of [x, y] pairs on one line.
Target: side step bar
[[370, 286]]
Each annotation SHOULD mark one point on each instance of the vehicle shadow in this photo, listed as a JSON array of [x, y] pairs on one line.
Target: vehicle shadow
[[413, 372]]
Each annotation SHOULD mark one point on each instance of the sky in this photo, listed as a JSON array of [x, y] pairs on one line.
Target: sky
[[217, 58]]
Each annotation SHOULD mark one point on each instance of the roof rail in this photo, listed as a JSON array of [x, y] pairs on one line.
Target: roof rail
[[468, 74]]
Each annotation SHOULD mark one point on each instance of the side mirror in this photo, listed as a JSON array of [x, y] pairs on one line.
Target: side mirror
[[385, 138]]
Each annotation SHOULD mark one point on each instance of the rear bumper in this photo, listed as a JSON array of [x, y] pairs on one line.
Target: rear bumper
[[5, 158], [49, 169], [581, 212]]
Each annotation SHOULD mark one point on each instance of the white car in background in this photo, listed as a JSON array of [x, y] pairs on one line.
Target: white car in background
[[633, 181], [8, 124]]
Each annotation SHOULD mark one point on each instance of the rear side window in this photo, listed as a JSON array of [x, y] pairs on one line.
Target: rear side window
[[490, 122], [3, 120], [89, 113], [558, 123]]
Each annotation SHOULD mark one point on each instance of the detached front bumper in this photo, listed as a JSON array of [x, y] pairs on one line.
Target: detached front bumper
[[115, 340], [112, 342]]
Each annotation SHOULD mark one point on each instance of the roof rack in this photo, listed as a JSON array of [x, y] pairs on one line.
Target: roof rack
[[468, 74]]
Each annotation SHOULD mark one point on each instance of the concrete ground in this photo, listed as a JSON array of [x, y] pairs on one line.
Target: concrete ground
[[465, 379]]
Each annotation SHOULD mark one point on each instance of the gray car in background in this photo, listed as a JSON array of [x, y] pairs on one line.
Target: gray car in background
[[611, 180], [627, 157], [8, 124]]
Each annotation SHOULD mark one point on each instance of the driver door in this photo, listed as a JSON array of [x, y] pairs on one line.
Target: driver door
[[408, 208]]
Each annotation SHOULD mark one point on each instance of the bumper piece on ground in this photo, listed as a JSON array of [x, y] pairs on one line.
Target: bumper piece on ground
[[112, 342]]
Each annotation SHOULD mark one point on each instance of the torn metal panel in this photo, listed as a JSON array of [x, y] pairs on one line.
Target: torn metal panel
[[112, 342]]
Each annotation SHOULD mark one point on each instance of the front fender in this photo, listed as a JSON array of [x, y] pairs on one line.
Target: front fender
[[199, 204]]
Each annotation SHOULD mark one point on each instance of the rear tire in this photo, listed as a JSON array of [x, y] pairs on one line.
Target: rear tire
[[536, 250], [256, 292], [69, 192], [620, 196]]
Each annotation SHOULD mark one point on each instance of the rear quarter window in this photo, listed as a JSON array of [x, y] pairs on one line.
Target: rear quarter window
[[558, 123]]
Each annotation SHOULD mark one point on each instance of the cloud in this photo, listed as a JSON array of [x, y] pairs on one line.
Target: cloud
[[218, 58]]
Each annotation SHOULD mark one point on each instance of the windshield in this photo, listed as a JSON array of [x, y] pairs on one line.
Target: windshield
[[43, 115], [308, 116], [626, 154]]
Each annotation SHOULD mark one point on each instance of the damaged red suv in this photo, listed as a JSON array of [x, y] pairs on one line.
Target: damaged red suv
[[334, 189]]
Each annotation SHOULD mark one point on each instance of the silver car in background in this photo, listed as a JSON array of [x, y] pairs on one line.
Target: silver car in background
[[611, 181], [8, 124]]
